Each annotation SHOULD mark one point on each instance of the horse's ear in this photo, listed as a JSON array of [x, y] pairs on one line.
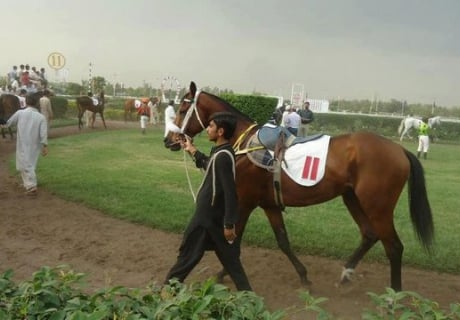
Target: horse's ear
[[192, 88]]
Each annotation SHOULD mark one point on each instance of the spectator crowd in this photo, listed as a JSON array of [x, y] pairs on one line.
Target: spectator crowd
[[25, 78]]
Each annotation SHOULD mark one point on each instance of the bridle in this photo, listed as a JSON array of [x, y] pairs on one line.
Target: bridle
[[193, 108]]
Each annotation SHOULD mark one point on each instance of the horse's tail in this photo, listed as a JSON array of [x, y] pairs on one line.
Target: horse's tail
[[419, 206], [401, 126]]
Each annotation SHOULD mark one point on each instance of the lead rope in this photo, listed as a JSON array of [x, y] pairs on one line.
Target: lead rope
[[188, 177]]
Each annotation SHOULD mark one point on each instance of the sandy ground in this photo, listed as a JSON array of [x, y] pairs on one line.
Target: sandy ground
[[46, 230]]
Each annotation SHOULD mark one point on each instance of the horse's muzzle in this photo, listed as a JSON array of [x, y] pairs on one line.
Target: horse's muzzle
[[173, 146]]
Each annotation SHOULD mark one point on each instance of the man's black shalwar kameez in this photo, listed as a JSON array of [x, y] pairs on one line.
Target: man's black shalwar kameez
[[216, 205]]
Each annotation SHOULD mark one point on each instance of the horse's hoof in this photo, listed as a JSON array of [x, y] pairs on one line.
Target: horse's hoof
[[347, 275]]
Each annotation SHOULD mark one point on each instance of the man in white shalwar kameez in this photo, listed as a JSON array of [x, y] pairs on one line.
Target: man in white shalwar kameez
[[170, 116], [31, 140]]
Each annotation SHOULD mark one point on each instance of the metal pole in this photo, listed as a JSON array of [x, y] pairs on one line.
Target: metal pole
[[90, 81]]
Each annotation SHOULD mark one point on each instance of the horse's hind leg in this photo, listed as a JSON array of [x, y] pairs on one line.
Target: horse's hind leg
[[375, 220], [276, 220], [368, 237]]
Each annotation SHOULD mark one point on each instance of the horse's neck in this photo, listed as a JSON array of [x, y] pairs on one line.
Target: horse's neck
[[243, 131]]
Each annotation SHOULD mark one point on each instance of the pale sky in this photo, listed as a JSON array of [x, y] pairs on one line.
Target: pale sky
[[352, 49]]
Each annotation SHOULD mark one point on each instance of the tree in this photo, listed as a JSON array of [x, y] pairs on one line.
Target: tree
[[73, 88], [98, 84]]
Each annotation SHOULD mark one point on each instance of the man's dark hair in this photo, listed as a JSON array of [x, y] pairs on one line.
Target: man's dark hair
[[32, 99], [226, 121]]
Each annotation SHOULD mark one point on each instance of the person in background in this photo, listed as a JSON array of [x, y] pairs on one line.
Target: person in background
[[144, 113], [22, 98], [423, 138], [44, 78], [292, 121], [153, 111], [284, 115], [31, 140], [25, 80], [170, 116], [46, 108], [21, 70], [212, 227], [94, 98], [13, 75], [306, 117]]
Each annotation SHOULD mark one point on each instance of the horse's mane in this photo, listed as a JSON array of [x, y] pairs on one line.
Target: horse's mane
[[229, 107]]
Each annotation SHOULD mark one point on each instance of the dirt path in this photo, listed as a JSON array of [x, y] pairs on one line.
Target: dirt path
[[49, 231]]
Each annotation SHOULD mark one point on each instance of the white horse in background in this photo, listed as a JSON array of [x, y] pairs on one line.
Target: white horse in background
[[411, 122]]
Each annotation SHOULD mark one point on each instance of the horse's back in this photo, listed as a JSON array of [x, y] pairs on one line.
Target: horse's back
[[86, 103], [368, 153]]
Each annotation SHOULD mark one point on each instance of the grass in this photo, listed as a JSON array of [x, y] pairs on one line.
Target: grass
[[133, 177]]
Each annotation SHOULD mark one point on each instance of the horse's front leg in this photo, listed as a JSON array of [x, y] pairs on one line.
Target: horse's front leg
[[276, 220]]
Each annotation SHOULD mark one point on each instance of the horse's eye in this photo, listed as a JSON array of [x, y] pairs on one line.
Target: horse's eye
[[182, 112]]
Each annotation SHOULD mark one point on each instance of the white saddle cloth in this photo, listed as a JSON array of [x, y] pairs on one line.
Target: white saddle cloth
[[306, 162]]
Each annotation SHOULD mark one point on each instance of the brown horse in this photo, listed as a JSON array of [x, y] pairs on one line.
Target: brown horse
[[368, 171], [130, 107], [9, 104], [85, 103]]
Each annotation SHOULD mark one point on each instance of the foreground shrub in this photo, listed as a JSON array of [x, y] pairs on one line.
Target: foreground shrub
[[56, 294]]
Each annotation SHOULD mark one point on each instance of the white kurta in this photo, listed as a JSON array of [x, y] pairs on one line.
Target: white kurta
[[32, 134]]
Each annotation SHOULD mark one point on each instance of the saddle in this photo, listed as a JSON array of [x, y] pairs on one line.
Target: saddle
[[269, 136]]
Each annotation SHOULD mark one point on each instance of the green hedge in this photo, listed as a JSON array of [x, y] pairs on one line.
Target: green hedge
[[258, 108], [59, 106]]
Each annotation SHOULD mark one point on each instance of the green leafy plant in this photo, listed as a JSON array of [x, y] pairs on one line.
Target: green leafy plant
[[56, 293], [408, 305]]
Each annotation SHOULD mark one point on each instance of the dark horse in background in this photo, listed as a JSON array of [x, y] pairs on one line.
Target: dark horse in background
[[85, 103], [368, 171], [9, 104]]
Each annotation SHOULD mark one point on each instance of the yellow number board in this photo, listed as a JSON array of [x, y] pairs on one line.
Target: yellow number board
[[56, 60]]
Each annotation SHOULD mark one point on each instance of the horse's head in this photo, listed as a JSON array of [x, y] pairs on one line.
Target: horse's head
[[194, 113], [434, 121], [192, 117]]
